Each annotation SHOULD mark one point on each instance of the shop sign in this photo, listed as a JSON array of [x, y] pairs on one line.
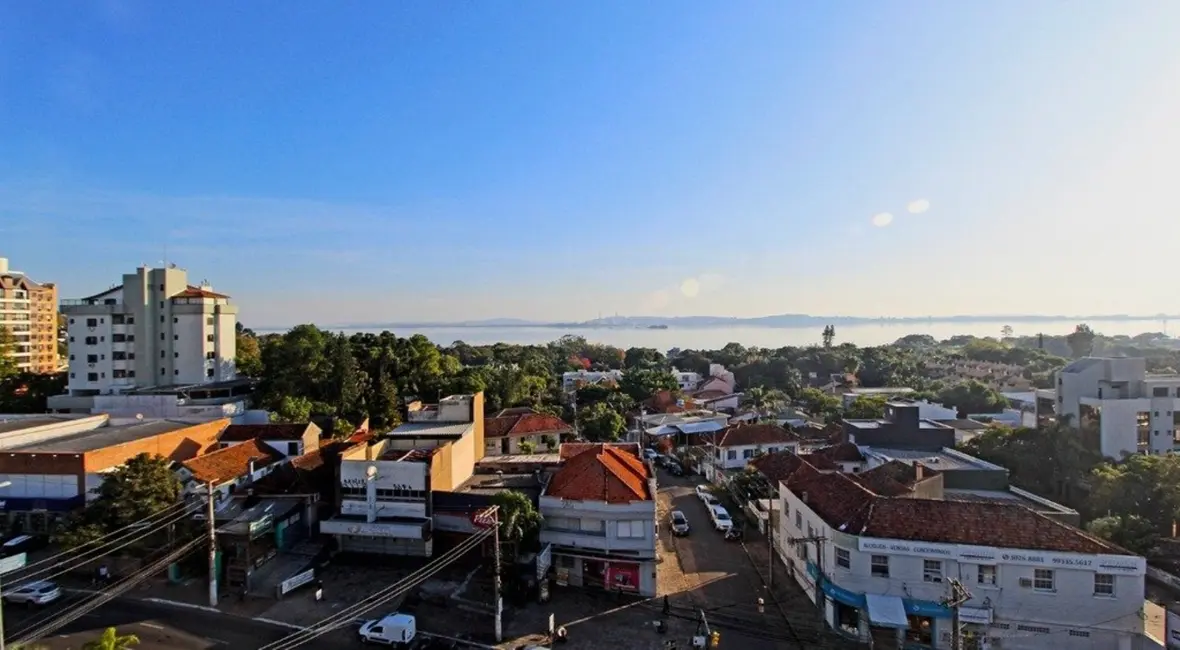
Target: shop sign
[[296, 581], [1172, 623], [1121, 564], [976, 615]]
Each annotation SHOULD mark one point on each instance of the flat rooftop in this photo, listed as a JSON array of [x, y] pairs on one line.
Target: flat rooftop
[[171, 389], [885, 390], [102, 437], [939, 460], [432, 429], [491, 484], [520, 459], [1005, 496], [878, 423], [21, 424]]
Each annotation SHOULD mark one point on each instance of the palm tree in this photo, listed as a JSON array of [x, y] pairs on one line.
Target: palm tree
[[763, 400], [111, 640]]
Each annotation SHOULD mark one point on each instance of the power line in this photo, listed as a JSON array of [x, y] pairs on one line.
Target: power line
[[385, 595], [26, 636], [125, 529], [95, 553]]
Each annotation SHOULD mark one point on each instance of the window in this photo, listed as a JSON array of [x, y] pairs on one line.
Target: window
[[161, 287], [292, 449], [92, 358], [71, 357], [799, 520], [130, 338], [1103, 584], [175, 337], [130, 373], [90, 340], [161, 336], [729, 455], [71, 375], [118, 374], [986, 575], [843, 558], [161, 317], [932, 570], [210, 355], [629, 530], [130, 355], [130, 320], [71, 321], [118, 338], [879, 566], [747, 453], [175, 320], [175, 355], [91, 322], [209, 338], [118, 319], [71, 339], [1159, 391], [162, 354], [163, 372], [176, 372], [209, 320], [209, 373], [92, 376], [1039, 629], [119, 356], [561, 523], [1043, 579], [591, 526]]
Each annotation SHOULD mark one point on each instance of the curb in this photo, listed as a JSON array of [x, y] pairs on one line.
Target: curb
[[271, 621], [184, 605]]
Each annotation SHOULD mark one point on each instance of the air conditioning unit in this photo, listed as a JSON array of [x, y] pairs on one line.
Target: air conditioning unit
[[1026, 583]]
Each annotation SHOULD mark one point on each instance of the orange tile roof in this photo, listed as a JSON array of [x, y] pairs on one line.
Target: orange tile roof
[[526, 423], [755, 434], [601, 472], [229, 463], [198, 292]]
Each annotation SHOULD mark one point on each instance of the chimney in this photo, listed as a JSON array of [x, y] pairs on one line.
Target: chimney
[[918, 467], [803, 496], [251, 469]]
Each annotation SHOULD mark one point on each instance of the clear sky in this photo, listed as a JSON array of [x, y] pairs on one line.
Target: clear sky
[[449, 160]]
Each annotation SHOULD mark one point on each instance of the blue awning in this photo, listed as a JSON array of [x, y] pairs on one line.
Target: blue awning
[[886, 611]]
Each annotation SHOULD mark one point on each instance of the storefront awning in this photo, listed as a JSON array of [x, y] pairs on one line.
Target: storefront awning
[[886, 611]]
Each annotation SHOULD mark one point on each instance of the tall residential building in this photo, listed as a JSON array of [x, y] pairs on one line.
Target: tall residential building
[[29, 311], [154, 330]]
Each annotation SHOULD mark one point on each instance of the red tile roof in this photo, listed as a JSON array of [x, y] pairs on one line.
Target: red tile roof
[[844, 452], [198, 292], [710, 394], [820, 462], [852, 508], [325, 455], [229, 463], [528, 423], [755, 434], [243, 432], [601, 472], [780, 465], [570, 449], [893, 479]]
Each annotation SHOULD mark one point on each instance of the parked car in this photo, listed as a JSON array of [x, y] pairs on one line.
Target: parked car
[[671, 465], [650, 454], [706, 496], [23, 544], [41, 592], [720, 517], [679, 523], [397, 630]]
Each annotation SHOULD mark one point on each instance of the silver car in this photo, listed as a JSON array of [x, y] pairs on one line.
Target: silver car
[[679, 523], [41, 592]]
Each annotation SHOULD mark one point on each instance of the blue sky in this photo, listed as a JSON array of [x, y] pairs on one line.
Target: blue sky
[[460, 159]]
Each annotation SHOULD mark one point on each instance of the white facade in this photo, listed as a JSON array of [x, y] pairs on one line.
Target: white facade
[[619, 537], [738, 456], [153, 330], [384, 507], [1135, 412], [686, 380], [575, 379], [1020, 599]]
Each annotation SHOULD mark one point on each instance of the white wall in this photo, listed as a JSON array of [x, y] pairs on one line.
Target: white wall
[[591, 516], [743, 454]]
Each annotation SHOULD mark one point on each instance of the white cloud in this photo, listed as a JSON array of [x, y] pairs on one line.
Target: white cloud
[[690, 288], [918, 206], [882, 219]]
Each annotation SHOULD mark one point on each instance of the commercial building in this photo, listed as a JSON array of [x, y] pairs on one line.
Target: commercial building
[[513, 431], [154, 330], [28, 310], [385, 486], [880, 567], [54, 463], [1133, 412], [599, 512]]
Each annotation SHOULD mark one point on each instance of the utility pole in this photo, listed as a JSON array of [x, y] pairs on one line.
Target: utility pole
[[212, 526], [820, 597], [499, 604], [955, 600]]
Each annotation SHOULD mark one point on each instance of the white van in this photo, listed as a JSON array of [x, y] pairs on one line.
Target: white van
[[398, 630]]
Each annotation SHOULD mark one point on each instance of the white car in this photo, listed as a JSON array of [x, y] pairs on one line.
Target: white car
[[706, 496], [720, 517], [41, 592]]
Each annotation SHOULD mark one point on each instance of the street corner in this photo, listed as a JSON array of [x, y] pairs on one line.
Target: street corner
[[339, 587], [595, 621]]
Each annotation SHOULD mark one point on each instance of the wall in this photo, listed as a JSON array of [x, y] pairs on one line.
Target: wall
[[610, 514], [180, 445], [51, 431], [743, 454]]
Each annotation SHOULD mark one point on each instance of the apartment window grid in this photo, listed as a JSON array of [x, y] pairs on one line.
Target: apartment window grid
[[932, 570], [1043, 580], [1103, 584], [629, 530], [879, 566], [986, 575], [843, 558]]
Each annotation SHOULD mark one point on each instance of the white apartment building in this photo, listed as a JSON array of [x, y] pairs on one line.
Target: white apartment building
[[882, 566], [739, 444], [153, 330], [687, 380], [579, 378], [1134, 412], [599, 514]]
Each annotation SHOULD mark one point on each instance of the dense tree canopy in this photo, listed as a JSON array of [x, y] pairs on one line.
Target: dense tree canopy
[[8, 365], [971, 397], [143, 486]]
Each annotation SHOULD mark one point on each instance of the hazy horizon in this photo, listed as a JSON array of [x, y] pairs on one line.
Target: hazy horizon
[[557, 161]]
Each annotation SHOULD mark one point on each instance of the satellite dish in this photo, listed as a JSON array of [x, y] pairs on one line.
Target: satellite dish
[[371, 471]]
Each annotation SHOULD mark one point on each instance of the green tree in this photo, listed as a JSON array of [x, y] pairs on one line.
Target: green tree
[[1141, 485], [601, 423], [112, 640], [866, 408], [1006, 331], [819, 404], [643, 358], [1131, 532], [1051, 461], [528, 447], [972, 397], [143, 486], [642, 383], [293, 410], [248, 355], [29, 392], [8, 365], [520, 522], [764, 401], [1081, 341], [829, 335]]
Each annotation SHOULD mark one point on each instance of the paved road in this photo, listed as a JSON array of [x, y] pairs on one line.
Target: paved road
[[162, 627]]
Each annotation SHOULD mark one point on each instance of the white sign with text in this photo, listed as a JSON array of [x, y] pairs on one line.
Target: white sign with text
[[1121, 564], [386, 474]]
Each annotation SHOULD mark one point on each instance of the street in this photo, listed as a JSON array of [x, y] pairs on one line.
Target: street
[[160, 627]]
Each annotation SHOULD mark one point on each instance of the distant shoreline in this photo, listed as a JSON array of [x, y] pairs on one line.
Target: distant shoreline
[[767, 322]]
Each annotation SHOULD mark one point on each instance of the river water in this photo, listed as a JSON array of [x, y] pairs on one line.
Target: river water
[[712, 338]]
